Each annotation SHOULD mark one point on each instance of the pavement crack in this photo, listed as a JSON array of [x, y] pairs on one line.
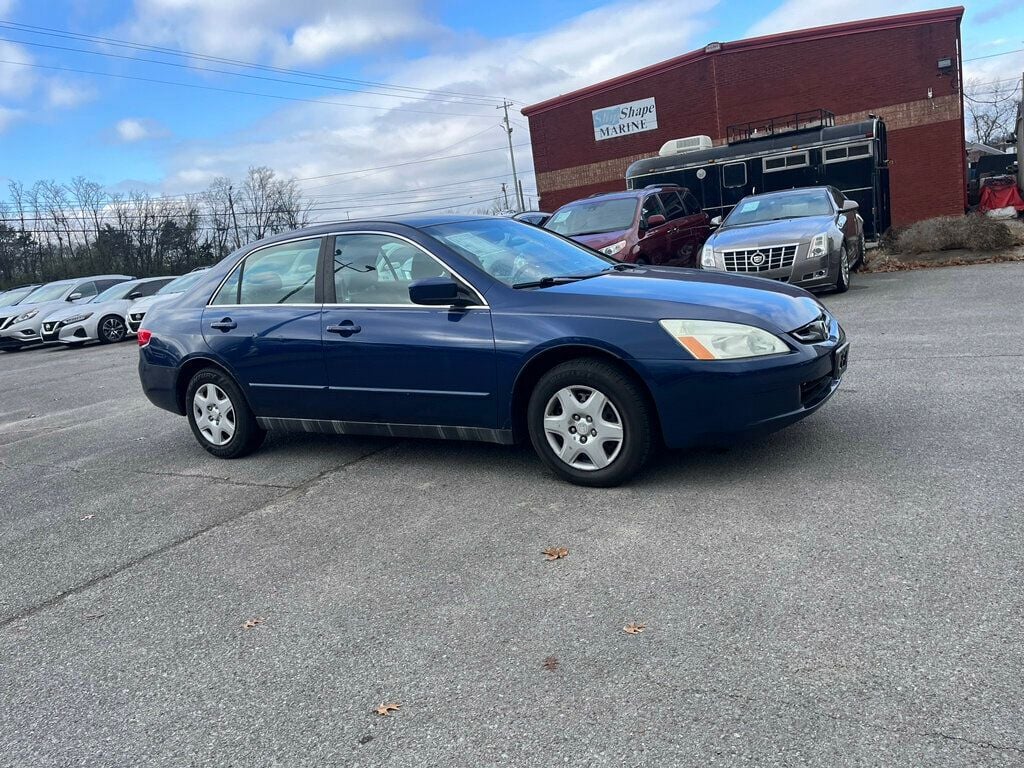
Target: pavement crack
[[292, 492]]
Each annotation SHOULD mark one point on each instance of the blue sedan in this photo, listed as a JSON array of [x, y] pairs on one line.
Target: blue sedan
[[479, 328]]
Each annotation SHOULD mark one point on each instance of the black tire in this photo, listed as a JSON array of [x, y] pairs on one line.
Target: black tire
[[843, 268], [862, 254], [111, 329], [629, 408], [246, 435]]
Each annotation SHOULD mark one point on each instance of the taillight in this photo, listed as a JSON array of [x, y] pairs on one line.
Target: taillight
[[144, 337]]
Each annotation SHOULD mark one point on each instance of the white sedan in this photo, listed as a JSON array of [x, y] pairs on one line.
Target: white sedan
[[104, 319]]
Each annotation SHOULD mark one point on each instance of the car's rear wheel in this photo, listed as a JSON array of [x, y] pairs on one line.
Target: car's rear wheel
[[112, 329], [843, 278], [590, 423], [219, 416]]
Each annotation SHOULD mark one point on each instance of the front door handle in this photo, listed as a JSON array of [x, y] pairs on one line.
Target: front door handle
[[346, 328], [227, 324]]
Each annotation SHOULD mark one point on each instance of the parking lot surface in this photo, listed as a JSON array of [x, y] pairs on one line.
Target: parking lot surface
[[846, 592]]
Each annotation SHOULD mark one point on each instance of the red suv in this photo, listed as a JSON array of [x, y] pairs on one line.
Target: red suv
[[655, 225]]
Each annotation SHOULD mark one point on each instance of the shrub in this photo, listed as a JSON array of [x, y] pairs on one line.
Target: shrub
[[974, 233]]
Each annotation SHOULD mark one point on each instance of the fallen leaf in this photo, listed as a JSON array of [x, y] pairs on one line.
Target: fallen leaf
[[253, 622], [88, 517], [554, 553], [550, 663], [634, 629], [384, 710]]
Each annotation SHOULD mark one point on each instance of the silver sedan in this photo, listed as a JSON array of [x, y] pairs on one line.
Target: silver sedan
[[812, 237]]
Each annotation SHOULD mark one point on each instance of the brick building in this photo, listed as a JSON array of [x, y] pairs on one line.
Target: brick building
[[905, 69]]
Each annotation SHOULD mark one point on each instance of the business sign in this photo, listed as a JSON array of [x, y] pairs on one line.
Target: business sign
[[623, 119]]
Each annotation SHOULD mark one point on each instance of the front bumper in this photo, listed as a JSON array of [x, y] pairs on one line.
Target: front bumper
[[19, 336], [708, 403], [74, 333], [135, 321], [798, 269]]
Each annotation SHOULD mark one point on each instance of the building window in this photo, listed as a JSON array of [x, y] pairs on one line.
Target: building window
[[734, 175], [785, 162], [849, 152]]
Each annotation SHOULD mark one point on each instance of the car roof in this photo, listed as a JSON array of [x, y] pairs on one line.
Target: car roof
[[628, 193]]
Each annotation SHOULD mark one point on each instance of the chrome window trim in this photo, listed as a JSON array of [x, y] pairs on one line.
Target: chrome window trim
[[787, 167], [233, 269], [846, 158], [481, 305]]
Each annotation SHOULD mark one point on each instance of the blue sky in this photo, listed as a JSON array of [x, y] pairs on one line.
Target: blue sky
[[57, 124]]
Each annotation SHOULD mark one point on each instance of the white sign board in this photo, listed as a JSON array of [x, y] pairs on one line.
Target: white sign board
[[623, 119]]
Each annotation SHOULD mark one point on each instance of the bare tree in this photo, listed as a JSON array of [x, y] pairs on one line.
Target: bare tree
[[991, 109]]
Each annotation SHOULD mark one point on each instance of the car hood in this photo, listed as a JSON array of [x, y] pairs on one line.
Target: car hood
[[44, 308], [670, 293], [771, 232], [601, 239], [114, 305]]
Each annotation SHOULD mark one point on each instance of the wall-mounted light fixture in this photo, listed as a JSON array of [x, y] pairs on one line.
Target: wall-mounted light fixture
[[712, 47], [945, 65]]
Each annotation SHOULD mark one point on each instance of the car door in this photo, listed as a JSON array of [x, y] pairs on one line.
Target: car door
[[83, 292], [263, 323], [697, 225], [391, 361], [680, 247], [654, 246]]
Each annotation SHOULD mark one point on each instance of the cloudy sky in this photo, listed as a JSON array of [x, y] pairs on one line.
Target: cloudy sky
[[346, 89]]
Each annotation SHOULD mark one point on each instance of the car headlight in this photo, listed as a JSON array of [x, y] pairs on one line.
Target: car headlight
[[713, 340], [27, 316], [707, 256], [819, 246], [611, 250], [77, 318]]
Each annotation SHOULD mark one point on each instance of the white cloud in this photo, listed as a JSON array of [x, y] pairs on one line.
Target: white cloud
[[801, 14], [294, 31], [15, 81], [311, 140], [133, 129], [8, 116], [61, 94]]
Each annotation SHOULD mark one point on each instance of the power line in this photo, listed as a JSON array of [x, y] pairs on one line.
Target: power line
[[993, 55], [235, 91], [198, 68], [54, 32], [410, 162]]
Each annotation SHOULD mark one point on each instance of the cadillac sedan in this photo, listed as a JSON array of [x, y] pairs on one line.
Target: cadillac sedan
[[811, 237], [484, 329]]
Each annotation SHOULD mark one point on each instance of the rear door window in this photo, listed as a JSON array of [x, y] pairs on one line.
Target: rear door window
[[278, 274], [673, 205]]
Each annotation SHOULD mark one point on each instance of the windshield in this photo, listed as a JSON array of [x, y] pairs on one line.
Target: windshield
[[513, 252], [15, 295], [50, 292], [790, 205], [594, 217], [119, 291], [181, 284]]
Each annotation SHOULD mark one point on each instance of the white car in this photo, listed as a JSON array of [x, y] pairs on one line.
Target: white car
[[21, 326], [104, 319], [174, 288]]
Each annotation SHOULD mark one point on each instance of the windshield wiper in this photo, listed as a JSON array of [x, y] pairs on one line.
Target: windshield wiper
[[544, 282]]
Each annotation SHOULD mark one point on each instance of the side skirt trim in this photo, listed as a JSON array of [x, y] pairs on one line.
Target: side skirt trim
[[381, 429]]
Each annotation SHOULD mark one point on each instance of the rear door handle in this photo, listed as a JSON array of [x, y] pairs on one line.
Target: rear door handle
[[346, 328], [227, 324]]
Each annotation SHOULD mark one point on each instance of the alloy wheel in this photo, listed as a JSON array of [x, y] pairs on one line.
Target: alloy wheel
[[583, 428], [214, 414], [113, 329], [844, 265]]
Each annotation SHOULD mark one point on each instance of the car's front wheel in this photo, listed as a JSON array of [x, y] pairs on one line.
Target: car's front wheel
[[843, 278], [219, 416], [590, 423], [112, 330]]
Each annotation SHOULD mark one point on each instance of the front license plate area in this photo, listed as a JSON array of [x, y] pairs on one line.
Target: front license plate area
[[839, 360]]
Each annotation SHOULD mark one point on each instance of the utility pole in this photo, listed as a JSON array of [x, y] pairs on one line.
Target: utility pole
[[522, 197], [504, 191], [231, 205], [1020, 136], [512, 156]]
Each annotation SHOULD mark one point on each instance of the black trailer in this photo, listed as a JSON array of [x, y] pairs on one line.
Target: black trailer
[[800, 150]]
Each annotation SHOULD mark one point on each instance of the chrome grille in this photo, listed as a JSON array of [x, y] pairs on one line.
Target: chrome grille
[[760, 259], [48, 327]]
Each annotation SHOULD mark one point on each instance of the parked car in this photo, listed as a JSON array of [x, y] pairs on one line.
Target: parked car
[[498, 332], [12, 296], [176, 287], [537, 218], [811, 237], [22, 328], [655, 225], [104, 319]]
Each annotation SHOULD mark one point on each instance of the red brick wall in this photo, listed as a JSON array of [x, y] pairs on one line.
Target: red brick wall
[[878, 71]]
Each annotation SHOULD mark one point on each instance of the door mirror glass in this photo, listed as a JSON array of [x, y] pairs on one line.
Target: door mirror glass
[[655, 220], [75, 296], [434, 292]]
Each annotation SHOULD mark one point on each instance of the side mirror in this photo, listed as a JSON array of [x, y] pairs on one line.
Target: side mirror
[[655, 220], [134, 295], [716, 222], [851, 205], [435, 292], [75, 296]]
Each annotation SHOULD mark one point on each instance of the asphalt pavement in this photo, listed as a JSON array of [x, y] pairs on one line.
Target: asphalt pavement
[[847, 592]]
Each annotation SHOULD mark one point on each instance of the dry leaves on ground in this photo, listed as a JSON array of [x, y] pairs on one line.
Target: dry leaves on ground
[[88, 517], [253, 622], [634, 629], [555, 553], [384, 710], [550, 663]]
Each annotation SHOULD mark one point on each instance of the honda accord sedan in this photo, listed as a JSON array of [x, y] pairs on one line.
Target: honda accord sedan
[[480, 328]]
